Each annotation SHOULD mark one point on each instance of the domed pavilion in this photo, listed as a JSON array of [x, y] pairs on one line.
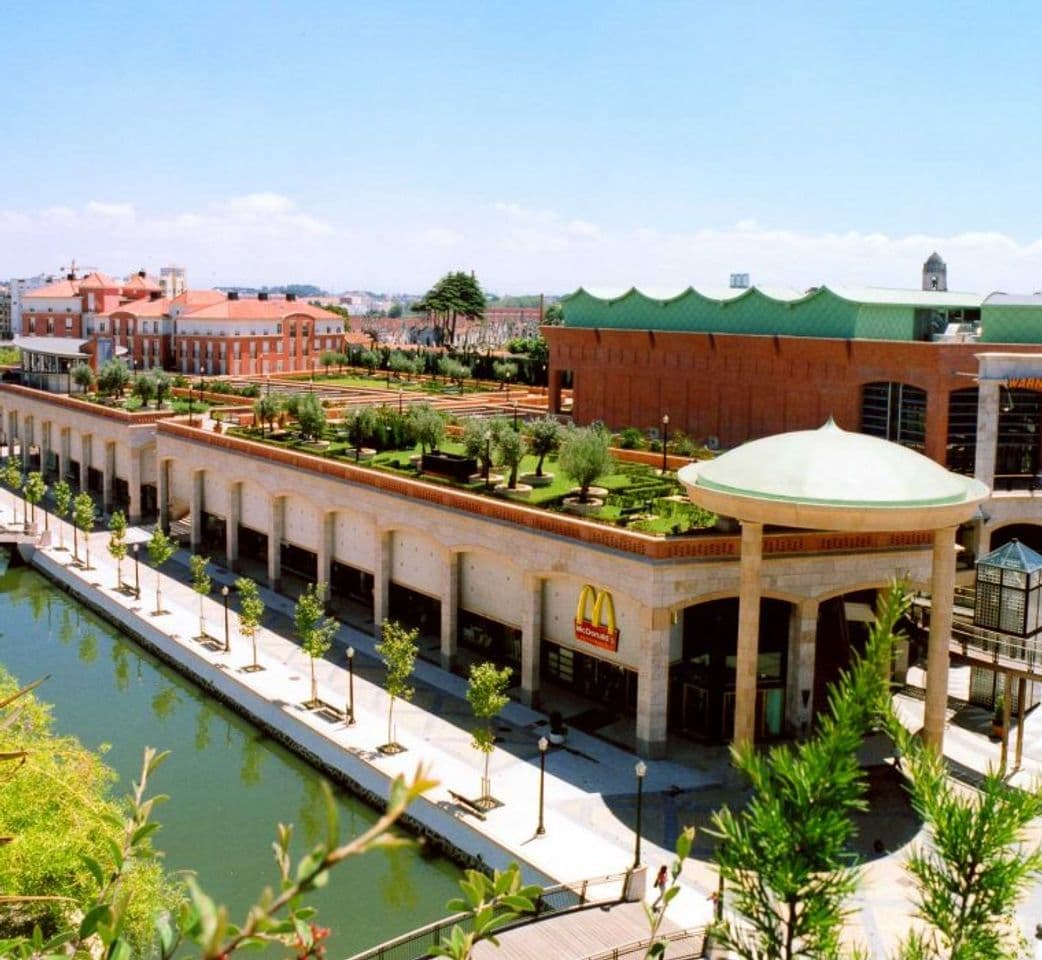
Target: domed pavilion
[[834, 480]]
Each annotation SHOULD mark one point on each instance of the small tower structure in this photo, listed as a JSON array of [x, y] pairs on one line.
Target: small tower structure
[[935, 273]]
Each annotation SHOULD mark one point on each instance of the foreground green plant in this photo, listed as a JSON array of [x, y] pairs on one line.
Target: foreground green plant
[[491, 903], [975, 868], [785, 856]]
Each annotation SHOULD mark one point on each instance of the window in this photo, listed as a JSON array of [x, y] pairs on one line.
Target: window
[[894, 411], [278, 328], [68, 324], [50, 325]]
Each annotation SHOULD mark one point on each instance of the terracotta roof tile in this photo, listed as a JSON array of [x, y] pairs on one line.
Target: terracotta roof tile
[[63, 288], [98, 280]]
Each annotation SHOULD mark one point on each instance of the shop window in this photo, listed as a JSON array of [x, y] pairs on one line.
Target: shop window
[[961, 451]]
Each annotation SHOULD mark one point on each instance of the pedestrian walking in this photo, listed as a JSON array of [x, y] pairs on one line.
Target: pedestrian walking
[[660, 885]]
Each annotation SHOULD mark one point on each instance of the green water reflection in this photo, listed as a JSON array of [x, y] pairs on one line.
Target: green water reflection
[[229, 784]]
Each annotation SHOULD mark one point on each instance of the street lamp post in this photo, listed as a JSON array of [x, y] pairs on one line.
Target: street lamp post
[[137, 574], [665, 439], [350, 686], [399, 401], [543, 745], [515, 415], [190, 421], [224, 594], [641, 770]]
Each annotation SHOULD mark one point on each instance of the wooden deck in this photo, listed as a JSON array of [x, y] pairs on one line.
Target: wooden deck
[[582, 933]]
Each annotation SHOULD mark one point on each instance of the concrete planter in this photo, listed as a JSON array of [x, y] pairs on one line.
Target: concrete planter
[[520, 492], [533, 481], [572, 505]]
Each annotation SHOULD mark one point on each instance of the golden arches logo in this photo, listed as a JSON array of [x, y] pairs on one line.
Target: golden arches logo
[[599, 627]]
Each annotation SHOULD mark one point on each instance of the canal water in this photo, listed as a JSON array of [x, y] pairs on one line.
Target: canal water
[[229, 785]]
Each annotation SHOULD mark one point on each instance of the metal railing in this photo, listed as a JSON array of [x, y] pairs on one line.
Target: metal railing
[[553, 901], [1023, 653], [694, 939]]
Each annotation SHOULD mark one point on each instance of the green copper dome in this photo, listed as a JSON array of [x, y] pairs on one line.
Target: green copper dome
[[832, 467]]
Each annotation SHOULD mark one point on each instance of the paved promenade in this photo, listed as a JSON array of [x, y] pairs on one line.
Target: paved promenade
[[590, 802]]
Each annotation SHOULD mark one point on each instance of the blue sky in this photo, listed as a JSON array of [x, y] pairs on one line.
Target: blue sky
[[543, 145]]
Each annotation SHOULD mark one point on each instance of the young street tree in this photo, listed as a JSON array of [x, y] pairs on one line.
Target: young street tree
[[34, 489], [486, 694], [83, 522], [397, 648], [201, 584], [160, 549], [785, 856], [315, 629], [118, 543], [62, 505], [12, 477], [251, 612], [584, 456]]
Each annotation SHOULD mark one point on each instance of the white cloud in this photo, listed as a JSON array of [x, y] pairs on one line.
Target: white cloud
[[123, 211], [269, 237]]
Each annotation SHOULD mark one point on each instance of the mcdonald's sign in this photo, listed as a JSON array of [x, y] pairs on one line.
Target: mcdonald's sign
[[596, 627]]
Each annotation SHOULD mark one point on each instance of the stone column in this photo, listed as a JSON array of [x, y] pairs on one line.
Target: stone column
[[748, 633], [85, 461], [64, 452], [653, 681], [108, 473], [324, 554], [196, 510], [936, 447], [163, 493], [27, 443], [942, 597], [382, 579], [987, 431], [803, 637], [531, 636], [47, 439], [231, 526], [134, 484], [276, 524], [449, 609]]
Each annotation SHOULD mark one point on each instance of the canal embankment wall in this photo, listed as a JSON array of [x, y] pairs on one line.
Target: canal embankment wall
[[435, 823]]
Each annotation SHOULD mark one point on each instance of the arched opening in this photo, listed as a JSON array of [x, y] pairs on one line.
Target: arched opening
[[843, 625], [1030, 534], [894, 411], [961, 449], [702, 683]]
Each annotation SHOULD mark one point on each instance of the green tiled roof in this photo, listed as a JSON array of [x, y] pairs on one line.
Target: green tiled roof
[[861, 313]]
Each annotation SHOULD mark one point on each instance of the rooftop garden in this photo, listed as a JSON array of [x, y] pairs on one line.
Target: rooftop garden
[[115, 386], [538, 462]]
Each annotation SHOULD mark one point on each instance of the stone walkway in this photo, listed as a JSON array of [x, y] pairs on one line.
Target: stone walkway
[[590, 799]]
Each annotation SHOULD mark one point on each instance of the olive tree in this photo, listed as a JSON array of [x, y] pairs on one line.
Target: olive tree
[[486, 694], [162, 383], [82, 522], [361, 424], [160, 549], [504, 371], [428, 426], [397, 648], [267, 410], [315, 629], [114, 377], [585, 455], [510, 449], [144, 388], [544, 437], [478, 438], [82, 376], [311, 416], [201, 584], [117, 545]]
